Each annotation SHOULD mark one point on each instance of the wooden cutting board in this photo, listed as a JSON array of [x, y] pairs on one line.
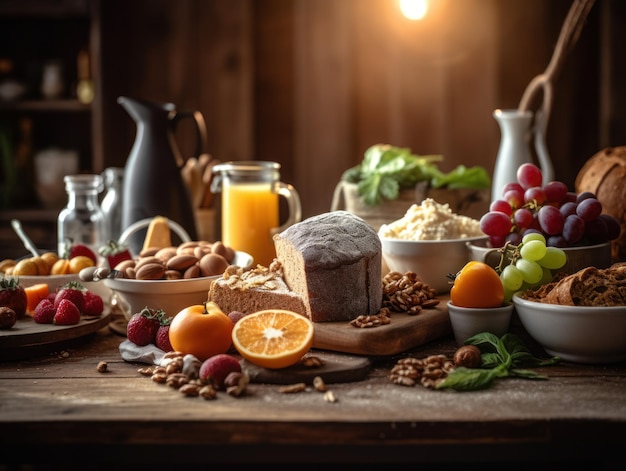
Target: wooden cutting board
[[404, 332], [336, 368]]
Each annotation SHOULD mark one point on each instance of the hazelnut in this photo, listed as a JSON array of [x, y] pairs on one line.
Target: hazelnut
[[468, 356]]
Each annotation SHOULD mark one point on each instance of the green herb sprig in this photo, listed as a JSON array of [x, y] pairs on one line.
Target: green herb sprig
[[501, 357], [386, 169]]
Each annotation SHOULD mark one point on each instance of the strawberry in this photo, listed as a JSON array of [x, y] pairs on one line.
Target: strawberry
[[75, 249], [67, 313], [72, 291], [143, 326], [163, 335], [94, 305], [44, 312], [114, 253], [12, 295]]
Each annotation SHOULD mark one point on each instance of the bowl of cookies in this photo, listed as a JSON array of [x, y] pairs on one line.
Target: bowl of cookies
[[580, 317]]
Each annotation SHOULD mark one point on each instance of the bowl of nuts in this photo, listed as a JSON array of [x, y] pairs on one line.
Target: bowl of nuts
[[170, 279]]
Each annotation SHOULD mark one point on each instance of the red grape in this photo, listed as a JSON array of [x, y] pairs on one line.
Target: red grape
[[515, 198], [568, 208], [535, 194], [596, 230], [584, 195], [555, 191], [502, 206], [573, 229], [589, 209], [495, 223], [529, 175], [523, 218], [613, 227], [551, 220], [513, 186]]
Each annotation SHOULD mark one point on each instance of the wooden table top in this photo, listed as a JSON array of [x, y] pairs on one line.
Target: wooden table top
[[59, 400]]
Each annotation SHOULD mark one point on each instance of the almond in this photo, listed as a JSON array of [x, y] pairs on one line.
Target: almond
[[213, 264], [181, 262], [192, 272], [145, 260], [150, 271]]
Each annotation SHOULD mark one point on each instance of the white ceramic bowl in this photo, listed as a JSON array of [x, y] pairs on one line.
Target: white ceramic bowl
[[598, 255], [467, 321], [170, 295], [431, 260], [580, 334]]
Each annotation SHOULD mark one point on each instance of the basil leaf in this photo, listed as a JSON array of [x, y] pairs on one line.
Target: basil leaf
[[468, 379]]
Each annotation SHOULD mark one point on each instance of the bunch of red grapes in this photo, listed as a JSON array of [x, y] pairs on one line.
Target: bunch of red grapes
[[564, 218]]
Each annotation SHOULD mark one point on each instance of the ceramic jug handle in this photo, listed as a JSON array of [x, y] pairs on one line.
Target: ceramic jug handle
[[201, 131], [293, 201]]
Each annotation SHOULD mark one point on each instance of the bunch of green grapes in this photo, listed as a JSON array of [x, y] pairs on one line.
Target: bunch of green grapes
[[528, 265]]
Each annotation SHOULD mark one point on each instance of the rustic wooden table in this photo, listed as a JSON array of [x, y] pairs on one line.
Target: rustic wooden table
[[55, 403]]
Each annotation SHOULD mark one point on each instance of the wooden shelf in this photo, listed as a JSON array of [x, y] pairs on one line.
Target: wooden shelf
[[63, 105]]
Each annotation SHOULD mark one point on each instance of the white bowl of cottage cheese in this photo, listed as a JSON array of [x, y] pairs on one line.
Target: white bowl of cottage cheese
[[429, 240]]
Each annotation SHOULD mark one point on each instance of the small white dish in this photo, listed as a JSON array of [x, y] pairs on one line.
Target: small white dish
[[467, 322]]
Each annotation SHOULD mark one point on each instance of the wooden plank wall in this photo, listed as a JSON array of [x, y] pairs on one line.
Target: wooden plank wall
[[312, 84]]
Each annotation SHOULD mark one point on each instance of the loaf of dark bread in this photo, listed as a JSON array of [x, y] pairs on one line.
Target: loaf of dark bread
[[587, 287], [333, 261]]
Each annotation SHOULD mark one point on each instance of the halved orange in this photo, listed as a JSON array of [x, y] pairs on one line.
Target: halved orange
[[273, 338], [34, 294]]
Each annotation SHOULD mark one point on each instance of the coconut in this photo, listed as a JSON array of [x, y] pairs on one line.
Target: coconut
[[604, 174]]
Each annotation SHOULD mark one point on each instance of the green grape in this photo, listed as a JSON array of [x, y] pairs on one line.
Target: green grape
[[534, 236], [554, 258], [531, 271], [511, 278], [533, 250]]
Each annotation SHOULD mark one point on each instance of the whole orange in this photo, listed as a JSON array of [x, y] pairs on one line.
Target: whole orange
[[477, 285], [202, 330]]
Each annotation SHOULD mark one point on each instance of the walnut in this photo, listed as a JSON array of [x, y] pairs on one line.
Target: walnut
[[428, 371], [407, 293]]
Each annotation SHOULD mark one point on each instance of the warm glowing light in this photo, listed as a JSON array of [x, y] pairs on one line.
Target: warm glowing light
[[414, 9]]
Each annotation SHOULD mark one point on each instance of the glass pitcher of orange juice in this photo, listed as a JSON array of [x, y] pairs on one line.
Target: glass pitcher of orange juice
[[250, 206]]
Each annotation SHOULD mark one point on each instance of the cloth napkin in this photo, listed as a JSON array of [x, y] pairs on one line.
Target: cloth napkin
[[149, 354]]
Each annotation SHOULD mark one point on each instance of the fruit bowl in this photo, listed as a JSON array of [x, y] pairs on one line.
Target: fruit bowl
[[580, 334], [431, 260], [169, 295]]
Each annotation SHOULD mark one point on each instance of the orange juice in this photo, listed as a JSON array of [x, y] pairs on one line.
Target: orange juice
[[249, 213]]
